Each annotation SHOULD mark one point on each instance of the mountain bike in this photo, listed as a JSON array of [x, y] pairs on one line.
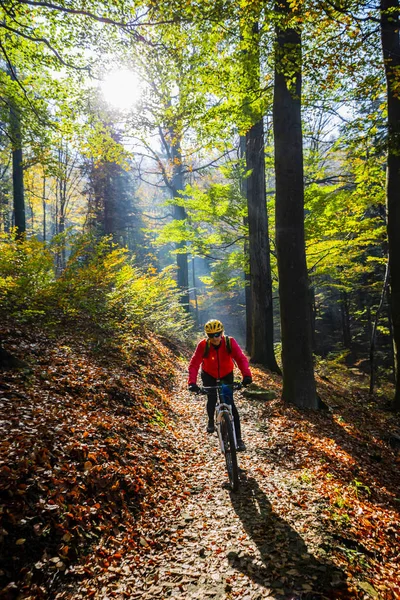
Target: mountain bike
[[225, 428]]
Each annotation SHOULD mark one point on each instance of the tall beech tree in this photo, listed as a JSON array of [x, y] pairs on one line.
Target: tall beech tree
[[261, 336], [177, 185], [243, 190], [297, 361], [15, 135], [262, 326], [390, 27], [17, 171]]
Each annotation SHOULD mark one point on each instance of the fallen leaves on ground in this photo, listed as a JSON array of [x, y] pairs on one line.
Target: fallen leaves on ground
[[110, 487]]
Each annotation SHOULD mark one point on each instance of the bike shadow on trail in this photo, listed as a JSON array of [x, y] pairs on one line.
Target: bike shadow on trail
[[286, 565]]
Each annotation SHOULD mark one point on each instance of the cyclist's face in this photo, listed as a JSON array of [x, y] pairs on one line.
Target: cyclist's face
[[216, 340]]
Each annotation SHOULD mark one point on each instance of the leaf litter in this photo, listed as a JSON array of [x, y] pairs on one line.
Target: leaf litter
[[111, 488]]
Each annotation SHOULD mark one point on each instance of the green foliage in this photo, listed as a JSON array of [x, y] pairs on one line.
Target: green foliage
[[360, 488], [150, 299], [26, 276], [89, 274], [100, 285], [214, 226]]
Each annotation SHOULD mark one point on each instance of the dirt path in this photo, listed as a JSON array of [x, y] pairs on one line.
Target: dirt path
[[122, 494], [216, 544]]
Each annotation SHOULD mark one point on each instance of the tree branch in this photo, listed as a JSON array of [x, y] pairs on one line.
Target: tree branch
[[126, 26], [43, 40]]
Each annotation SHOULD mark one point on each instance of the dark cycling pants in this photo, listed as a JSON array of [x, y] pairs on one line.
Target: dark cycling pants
[[212, 400]]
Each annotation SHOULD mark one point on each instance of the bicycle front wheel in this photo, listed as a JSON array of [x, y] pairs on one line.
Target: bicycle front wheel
[[230, 451]]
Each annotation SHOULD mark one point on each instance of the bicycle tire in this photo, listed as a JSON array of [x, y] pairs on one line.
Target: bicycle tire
[[230, 452]]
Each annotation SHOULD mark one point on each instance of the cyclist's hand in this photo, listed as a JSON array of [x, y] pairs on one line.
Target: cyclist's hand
[[246, 380], [193, 387]]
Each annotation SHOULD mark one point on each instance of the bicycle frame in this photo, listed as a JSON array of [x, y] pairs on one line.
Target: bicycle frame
[[225, 426], [220, 408]]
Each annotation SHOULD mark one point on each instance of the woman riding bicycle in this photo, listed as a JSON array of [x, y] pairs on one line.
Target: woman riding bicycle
[[216, 355]]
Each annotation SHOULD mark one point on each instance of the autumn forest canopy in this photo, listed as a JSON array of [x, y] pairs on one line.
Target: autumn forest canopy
[[164, 163], [243, 154]]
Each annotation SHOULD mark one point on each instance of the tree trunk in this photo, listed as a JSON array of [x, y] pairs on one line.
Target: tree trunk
[[182, 261], [62, 216], [390, 327], [196, 305], [109, 203], [247, 290], [17, 169], [373, 333], [180, 215], [261, 338], [298, 371], [313, 317], [44, 207], [262, 346], [345, 314], [391, 54]]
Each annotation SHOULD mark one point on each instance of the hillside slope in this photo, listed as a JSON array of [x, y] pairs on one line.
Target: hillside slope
[[110, 487], [87, 442]]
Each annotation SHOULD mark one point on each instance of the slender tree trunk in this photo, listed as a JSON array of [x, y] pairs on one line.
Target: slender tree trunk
[[391, 53], [31, 213], [313, 314], [247, 290], [180, 215], [298, 371], [61, 196], [196, 306], [262, 347], [182, 261], [44, 207], [345, 314], [390, 327], [17, 169], [373, 334], [109, 200], [261, 342], [249, 312], [62, 224], [57, 223]]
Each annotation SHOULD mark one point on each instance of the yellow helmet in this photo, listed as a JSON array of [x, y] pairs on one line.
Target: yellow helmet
[[213, 326]]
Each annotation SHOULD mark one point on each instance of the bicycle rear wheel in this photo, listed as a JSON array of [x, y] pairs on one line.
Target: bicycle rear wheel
[[230, 451]]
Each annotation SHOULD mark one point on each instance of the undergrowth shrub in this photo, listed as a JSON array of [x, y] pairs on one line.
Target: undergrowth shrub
[[100, 285], [26, 277]]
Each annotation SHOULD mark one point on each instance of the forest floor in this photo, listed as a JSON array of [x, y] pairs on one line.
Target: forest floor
[[111, 488]]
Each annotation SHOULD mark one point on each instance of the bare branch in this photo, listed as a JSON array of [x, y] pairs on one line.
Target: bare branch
[[211, 163], [168, 216]]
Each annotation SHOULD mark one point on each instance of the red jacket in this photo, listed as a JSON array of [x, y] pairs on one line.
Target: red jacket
[[219, 362]]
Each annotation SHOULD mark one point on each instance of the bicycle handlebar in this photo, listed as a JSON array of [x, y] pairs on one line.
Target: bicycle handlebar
[[236, 385]]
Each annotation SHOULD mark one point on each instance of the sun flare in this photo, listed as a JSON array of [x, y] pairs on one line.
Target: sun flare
[[121, 89]]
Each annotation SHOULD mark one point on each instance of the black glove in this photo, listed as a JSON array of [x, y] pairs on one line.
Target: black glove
[[193, 387], [246, 380]]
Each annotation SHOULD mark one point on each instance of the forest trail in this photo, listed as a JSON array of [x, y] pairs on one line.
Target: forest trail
[[216, 544], [111, 487], [222, 544]]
